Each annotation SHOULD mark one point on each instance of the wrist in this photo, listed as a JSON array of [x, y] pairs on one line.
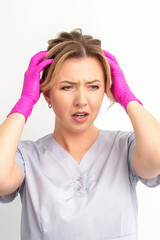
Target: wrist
[[24, 106], [127, 98], [17, 116]]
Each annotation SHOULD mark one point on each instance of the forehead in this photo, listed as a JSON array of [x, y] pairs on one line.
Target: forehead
[[79, 69]]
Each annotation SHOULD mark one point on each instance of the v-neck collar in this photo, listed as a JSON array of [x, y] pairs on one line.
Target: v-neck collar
[[67, 158]]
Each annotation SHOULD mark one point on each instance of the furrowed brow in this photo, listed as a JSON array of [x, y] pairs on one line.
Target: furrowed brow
[[77, 83]]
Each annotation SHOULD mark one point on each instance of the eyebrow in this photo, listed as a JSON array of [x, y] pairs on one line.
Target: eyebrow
[[77, 83]]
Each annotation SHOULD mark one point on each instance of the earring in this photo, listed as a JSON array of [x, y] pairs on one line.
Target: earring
[[49, 105]]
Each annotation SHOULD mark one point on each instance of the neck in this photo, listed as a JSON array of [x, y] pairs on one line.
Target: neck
[[75, 141]]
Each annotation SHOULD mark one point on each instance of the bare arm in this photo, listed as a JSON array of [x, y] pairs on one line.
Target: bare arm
[[146, 159], [10, 172], [11, 129]]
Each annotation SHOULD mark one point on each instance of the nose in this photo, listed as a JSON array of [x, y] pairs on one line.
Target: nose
[[80, 98]]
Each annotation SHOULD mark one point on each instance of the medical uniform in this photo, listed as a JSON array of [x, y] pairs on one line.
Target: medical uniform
[[93, 200]]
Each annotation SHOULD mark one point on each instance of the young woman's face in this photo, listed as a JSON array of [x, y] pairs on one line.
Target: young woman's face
[[79, 87]]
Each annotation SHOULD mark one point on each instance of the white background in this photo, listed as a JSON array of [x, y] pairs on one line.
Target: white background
[[128, 29]]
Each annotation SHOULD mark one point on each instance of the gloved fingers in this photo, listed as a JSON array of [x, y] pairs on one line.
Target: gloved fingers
[[113, 66], [44, 64], [110, 56], [37, 58]]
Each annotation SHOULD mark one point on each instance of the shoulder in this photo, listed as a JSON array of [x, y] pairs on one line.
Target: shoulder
[[117, 135], [40, 144], [117, 140]]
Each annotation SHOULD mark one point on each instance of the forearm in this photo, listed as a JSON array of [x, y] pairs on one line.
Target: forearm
[[11, 129], [147, 132], [10, 133], [146, 158]]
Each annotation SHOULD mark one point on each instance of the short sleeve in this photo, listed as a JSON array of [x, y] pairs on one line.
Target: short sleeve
[[153, 182], [19, 160]]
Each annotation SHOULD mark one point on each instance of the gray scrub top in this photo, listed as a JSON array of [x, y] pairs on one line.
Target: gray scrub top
[[93, 200]]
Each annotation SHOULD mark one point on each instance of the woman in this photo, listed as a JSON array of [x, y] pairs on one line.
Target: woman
[[80, 181]]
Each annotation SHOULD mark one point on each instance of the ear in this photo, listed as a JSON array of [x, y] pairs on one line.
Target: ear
[[47, 97]]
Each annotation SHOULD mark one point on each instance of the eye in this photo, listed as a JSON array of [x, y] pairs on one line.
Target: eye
[[66, 88], [94, 87]]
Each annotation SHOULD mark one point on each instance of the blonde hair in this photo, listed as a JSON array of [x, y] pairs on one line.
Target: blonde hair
[[73, 45]]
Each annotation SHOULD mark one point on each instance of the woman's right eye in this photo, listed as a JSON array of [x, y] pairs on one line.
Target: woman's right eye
[[66, 88]]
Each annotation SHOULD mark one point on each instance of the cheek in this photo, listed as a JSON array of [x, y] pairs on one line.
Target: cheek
[[59, 104], [97, 106], [97, 102], [56, 99]]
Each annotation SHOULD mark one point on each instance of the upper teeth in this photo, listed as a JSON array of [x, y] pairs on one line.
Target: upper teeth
[[80, 114]]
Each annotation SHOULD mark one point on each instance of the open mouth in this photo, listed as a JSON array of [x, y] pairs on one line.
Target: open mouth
[[80, 115]]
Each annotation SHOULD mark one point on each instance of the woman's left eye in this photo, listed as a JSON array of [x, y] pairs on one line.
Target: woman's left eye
[[94, 87]]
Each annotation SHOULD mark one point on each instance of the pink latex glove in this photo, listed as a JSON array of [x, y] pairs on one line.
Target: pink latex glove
[[120, 89], [31, 85]]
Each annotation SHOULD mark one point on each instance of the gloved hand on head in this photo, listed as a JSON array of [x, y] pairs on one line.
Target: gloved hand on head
[[119, 89], [31, 85]]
